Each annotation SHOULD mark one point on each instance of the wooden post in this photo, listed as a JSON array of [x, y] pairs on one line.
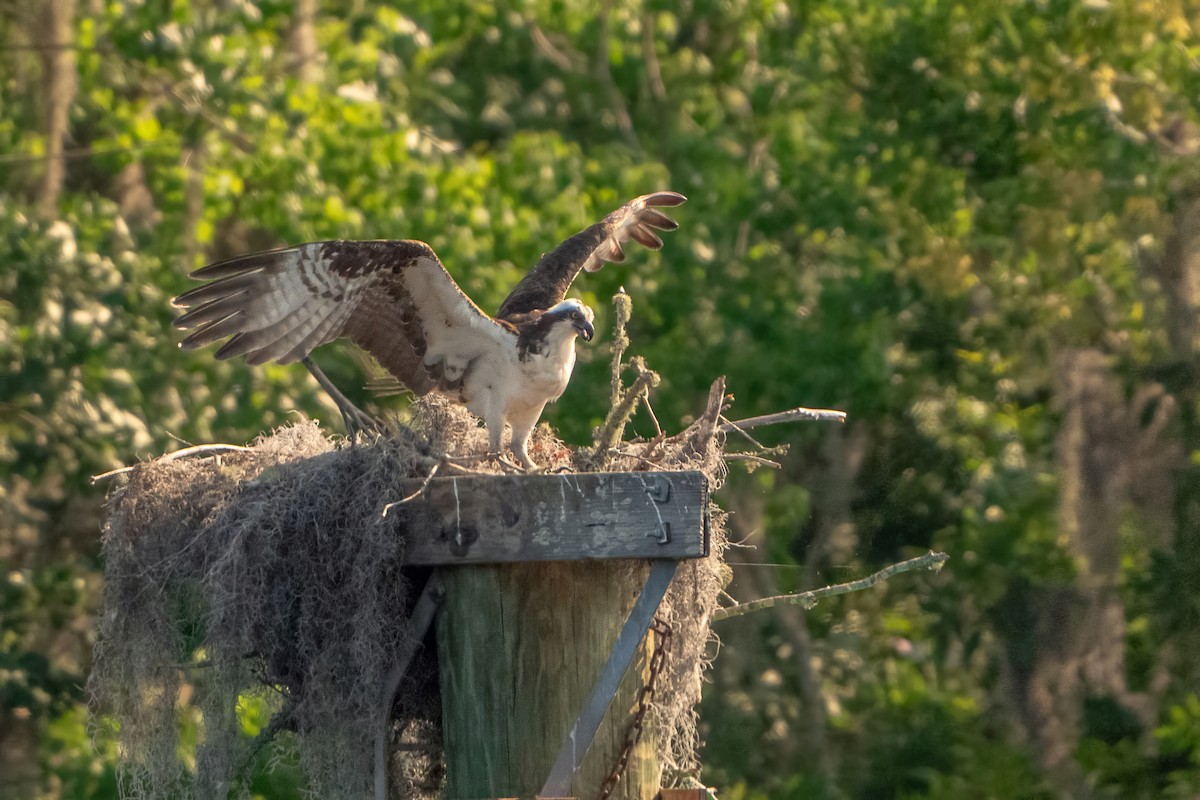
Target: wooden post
[[546, 570], [520, 648]]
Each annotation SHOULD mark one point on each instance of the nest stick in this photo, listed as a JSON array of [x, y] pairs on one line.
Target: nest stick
[[793, 415], [729, 427], [174, 454], [750, 458], [653, 417], [420, 490], [611, 432], [931, 561]]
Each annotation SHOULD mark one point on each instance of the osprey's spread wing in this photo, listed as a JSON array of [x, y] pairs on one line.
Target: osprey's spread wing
[[548, 282], [392, 298]]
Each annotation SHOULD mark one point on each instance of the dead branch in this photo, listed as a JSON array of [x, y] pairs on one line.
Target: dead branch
[[931, 561], [420, 490], [700, 433], [729, 427], [795, 414], [757, 461], [175, 454], [610, 433], [653, 417], [624, 401]]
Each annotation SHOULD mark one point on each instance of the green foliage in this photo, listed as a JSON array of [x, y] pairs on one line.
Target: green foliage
[[905, 210], [80, 765]]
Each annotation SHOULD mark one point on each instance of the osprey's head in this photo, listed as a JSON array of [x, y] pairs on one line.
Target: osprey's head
[[574, 313]]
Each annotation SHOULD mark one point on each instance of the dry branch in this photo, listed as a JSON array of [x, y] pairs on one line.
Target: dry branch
[[420, 490], [794, 415], [931, 561], [211, 449], [624, 401]]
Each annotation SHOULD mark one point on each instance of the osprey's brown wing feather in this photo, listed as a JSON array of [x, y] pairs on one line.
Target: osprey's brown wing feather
[[547, 283], [392, 298]]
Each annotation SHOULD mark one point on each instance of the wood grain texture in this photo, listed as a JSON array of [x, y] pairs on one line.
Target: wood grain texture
[[569, 517], [520, 647]]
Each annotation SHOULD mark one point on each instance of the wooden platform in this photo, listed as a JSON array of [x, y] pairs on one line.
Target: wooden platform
[[569, 517]]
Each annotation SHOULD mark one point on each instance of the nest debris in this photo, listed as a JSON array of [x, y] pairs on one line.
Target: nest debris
[[270, 573]]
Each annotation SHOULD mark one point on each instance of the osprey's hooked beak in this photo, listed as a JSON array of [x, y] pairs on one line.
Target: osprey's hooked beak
[[585, 330]]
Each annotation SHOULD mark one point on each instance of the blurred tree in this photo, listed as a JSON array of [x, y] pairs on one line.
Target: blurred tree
[[949, 219]]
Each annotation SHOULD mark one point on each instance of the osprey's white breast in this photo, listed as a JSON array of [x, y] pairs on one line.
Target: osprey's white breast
[[502, 383], [549, 372]]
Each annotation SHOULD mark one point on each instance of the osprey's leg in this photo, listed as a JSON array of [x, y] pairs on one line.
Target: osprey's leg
[[354, 417], [522, 425], [495, 429]]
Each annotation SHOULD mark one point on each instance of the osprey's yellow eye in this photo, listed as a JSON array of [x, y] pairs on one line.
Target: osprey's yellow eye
[[576, 315]]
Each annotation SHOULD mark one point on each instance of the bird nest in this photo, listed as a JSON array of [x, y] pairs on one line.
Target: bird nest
[[261, 591]]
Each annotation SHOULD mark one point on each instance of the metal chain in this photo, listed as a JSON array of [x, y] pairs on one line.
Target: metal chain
[[633, 733]]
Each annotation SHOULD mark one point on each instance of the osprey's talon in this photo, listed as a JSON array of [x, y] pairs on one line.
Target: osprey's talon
[[353, 417], [503, 461], [357, 422], [510, 465]]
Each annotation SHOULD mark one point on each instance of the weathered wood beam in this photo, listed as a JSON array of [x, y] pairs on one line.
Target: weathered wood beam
[[568, 517]]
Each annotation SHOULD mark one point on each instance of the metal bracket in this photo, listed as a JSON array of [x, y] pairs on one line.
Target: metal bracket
[[580, 737], [422, 617], [658, 487]]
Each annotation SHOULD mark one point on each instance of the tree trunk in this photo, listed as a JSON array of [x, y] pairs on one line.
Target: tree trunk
[[1079, 642], [302, 41], [59, 83], [1179, 274]]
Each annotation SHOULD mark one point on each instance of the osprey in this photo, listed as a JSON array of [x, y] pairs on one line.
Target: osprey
[[395, 300]]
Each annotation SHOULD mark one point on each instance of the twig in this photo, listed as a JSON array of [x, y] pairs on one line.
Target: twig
[[420, 490], [642, 459], [740, 432], [461, 470], [753, 459], [653, 445], [614, 426], [176, 454], [179, 439], [814, 414], [931, 561], [653, 417]]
